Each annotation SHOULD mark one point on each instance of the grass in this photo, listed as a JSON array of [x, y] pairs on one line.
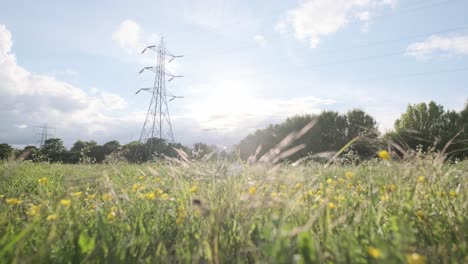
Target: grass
[[219, 212]]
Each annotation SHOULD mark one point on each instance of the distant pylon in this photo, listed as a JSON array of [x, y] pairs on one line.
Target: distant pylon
[[44, 134], [158, 121]]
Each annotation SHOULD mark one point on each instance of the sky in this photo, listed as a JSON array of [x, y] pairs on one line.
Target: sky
[[73, 65]]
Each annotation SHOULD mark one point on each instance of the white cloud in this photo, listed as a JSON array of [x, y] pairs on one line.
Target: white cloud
[[132, 38], [29, 99], [314, 19], [260, 39], [455, 45]]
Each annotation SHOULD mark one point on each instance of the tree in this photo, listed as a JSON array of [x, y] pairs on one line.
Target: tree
[[429, 126], [53, 149], [6, 151], [362, 125]]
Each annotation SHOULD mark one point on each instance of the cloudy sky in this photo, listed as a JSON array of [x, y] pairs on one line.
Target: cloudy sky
[[74, 64]]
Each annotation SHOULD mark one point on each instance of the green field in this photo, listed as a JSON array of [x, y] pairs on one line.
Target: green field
[[220, 212]]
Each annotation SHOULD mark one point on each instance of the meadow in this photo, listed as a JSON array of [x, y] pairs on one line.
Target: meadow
[[223, 212]]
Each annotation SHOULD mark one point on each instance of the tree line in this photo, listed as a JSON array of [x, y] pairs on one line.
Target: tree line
[[423, 127]]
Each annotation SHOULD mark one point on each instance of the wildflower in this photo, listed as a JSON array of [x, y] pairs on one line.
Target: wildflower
[[349, 175], [33, 210], [391, 188], [52, 218], [331, 205], [374, 252], [383, 154], [13, 201], [329, 181], [164, 196], [181, 215], [415, 258], [43, 181], [421, 179], [453, 194], [65, 202], [111, 215], [76, 194], [150, 196], [193, 189], [106, 197], [135, 187], [142, 177], [252, 190]]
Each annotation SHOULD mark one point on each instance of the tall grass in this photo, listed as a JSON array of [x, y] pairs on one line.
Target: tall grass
[[219, 212]]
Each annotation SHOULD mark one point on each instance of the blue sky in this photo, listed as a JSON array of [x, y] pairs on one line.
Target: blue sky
[[247, 63]]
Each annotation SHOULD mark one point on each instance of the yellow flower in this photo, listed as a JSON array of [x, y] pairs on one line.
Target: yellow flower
[[52, 217], [142, 177], [33, 210], [76, 194], [383, 154], [43, 181], [164, 196], [194, 189], [150, 196], [106, 197], [181, 215], [111, 216], [349, 175], [13, 201], [374, 252], [415, 258], [453, 194], [421, 179], [329, 181], [252, 190], [136, 186], [331, 205], [391, 188], [65, 202]]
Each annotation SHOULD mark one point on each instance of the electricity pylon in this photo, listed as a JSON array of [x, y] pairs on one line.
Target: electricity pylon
[[44, 134], [158, 121]]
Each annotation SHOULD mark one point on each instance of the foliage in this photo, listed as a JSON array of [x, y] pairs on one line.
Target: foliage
[[430, 127], [331, 132], [218, 212], [6, 151]]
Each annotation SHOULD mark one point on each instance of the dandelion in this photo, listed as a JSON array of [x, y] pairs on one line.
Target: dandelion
[[33, 210], [349, 175], [329, 181], [331, 205], [65, 202], [383, 154], [374, 252], [421, 179], [193, 189], [136, 187], [142, 177], [164, 196], [76, 194], [252, 190], [52, 218], [90, 197], [13, 201], [43, 181], [453, 194], [415, 258]]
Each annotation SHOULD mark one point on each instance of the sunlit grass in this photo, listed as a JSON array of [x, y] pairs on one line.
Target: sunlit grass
[[219, 212]]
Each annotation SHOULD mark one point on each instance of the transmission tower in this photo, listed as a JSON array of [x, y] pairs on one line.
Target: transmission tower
[[158, 122], [44, 134]]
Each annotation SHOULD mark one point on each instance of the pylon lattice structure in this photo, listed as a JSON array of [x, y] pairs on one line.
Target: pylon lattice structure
[[44, 134], [158, 121]]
